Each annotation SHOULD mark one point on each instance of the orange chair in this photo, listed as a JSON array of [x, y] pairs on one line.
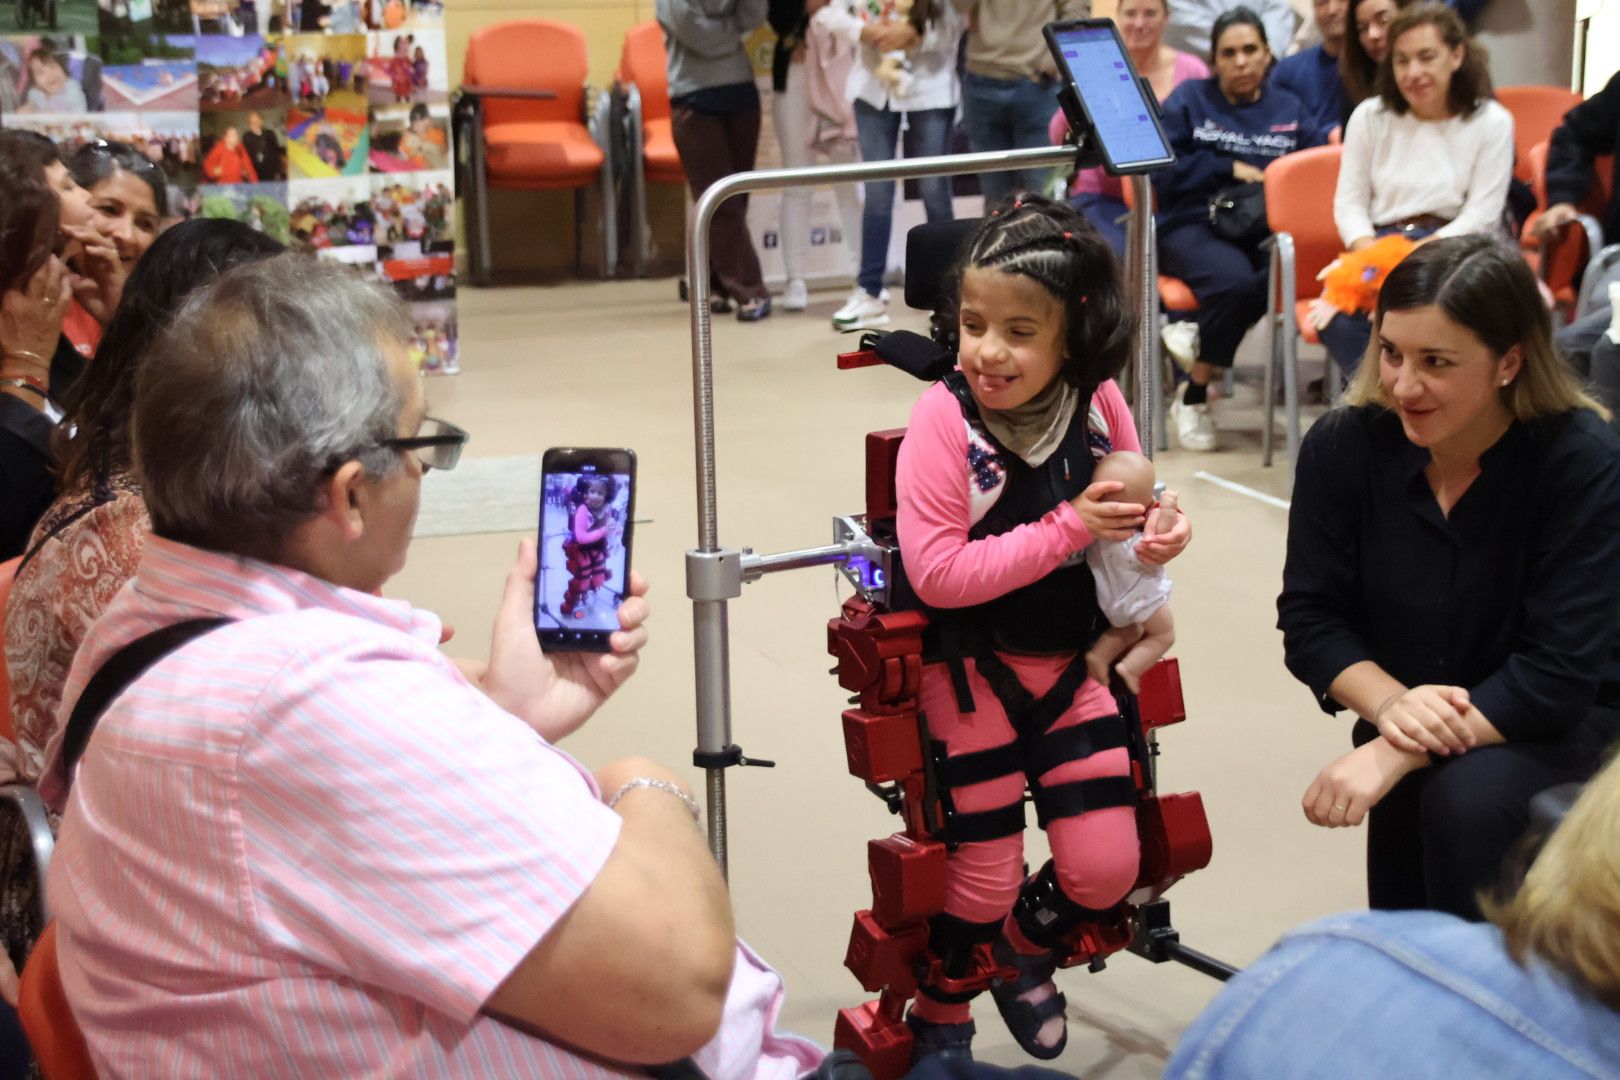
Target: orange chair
[[47, 1019], [1304, 239], [1536, 110], [1561, 260], [642, 85], [524, 123]]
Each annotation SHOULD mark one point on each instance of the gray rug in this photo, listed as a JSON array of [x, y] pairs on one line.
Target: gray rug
[[481, 495]]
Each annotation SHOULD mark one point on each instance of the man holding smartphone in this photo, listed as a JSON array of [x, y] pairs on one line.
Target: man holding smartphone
[[307, 832]]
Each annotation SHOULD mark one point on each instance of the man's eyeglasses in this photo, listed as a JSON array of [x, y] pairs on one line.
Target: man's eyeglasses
[[437, 445]]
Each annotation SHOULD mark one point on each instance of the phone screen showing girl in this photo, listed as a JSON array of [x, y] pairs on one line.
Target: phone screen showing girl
[[584, 555]]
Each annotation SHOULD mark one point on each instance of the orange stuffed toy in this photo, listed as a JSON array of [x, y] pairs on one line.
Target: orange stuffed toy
[[1351, 282]]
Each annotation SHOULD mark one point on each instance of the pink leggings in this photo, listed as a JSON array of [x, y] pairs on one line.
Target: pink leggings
[[1096, 854]]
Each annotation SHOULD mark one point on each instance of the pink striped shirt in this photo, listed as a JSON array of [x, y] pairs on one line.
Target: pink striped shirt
[[305, 845]]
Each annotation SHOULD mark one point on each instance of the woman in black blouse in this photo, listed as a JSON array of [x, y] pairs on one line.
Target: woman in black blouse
[[1453, 576]]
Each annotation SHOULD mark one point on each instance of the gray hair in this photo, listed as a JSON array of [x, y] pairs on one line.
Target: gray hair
[[265, 382]]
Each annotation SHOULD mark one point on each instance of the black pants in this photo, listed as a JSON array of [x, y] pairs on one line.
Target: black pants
[[713, 146], [1440, 836], [1229, 282]]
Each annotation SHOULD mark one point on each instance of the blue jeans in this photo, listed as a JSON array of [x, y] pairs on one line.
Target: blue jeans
[[928, 133], [1347, 337], [1007, 114]]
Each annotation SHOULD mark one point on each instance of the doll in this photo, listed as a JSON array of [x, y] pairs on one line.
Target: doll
[[1135, 597]]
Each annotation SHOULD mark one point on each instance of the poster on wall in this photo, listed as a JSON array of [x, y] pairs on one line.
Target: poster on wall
[[322, 123]]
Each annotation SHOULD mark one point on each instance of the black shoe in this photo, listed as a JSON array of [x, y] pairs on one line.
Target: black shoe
[[719, 303], [948, 1041], [754, 310]]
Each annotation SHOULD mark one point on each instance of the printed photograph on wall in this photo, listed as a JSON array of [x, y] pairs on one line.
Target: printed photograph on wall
[[240, 73], [50, 73], [410, 138], [407, 66], [415, 214], [259, 206]]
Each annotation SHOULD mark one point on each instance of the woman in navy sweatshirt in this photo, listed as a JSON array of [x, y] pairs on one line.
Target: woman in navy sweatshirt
[[1225, 130]]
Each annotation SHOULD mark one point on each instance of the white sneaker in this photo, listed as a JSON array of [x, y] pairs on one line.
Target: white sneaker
[[862, 311], [1195, 427], [796, 297], [1181, 342]]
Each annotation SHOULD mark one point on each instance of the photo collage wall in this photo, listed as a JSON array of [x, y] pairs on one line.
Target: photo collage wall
[[322, 123]]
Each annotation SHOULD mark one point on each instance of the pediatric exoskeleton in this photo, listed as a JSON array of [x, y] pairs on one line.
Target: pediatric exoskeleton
[[903, 660]]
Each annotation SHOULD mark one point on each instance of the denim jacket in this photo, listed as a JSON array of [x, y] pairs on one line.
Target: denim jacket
[[1408, 995]]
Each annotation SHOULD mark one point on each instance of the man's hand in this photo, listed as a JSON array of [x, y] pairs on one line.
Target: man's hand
[[555, 693], [1343, 792], [1553, 219], [1244, 173]]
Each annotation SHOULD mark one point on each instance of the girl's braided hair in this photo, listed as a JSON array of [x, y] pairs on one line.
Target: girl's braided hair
[[1053, 244]]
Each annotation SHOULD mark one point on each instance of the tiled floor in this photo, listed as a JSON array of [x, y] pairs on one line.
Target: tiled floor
[[610, 364]]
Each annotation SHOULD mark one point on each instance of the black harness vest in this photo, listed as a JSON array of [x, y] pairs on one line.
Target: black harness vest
[[1058, 613]]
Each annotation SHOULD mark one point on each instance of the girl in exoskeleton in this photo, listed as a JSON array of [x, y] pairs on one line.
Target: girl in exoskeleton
[[590, 529], [996, 507]]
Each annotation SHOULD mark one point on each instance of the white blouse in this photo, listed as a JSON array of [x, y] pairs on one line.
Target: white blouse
[[1397, 166]]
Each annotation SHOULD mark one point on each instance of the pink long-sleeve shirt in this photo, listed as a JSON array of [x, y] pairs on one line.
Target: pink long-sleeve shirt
[[583, 533], [943, 493]]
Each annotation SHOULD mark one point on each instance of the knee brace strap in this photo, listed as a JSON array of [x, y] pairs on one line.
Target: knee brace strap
[[1082, 797], [953, 940], [1044, 914]]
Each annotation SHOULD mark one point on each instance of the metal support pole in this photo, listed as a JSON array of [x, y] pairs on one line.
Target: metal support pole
[[711, 645], [1144, 265]]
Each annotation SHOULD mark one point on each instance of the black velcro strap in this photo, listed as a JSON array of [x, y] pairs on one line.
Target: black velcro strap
[[1029, 715], [1082, 797], [947, 997], [1043, 753], [960, 684], [122, 668], [984, 825], [976, 767]]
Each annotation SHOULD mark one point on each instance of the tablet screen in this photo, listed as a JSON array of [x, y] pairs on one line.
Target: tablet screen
[[1125, 121]]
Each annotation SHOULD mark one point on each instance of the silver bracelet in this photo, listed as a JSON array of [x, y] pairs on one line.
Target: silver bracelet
[[657, 785]]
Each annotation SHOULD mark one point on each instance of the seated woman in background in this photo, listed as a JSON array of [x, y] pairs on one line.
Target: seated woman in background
[[1537, 994], [1366, 47], [1100, 197], [128, 194], [1431, 155], [89, 541], [1225, 130], [1450, 576]]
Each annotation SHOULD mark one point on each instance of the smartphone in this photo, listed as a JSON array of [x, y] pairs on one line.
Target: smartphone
[[1112, 102], [587, 504]]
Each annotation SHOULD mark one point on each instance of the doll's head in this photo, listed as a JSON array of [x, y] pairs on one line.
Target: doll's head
[[1131, 469], [1038, 296]]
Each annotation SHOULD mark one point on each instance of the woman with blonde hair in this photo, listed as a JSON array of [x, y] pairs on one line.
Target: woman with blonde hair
[[1450, 576], [1537, 994]]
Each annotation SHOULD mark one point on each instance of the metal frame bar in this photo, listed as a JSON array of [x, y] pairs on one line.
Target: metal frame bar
[[1281, 322], [715, 575]]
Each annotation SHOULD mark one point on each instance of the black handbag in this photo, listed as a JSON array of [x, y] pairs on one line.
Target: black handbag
[[1238, 214]]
